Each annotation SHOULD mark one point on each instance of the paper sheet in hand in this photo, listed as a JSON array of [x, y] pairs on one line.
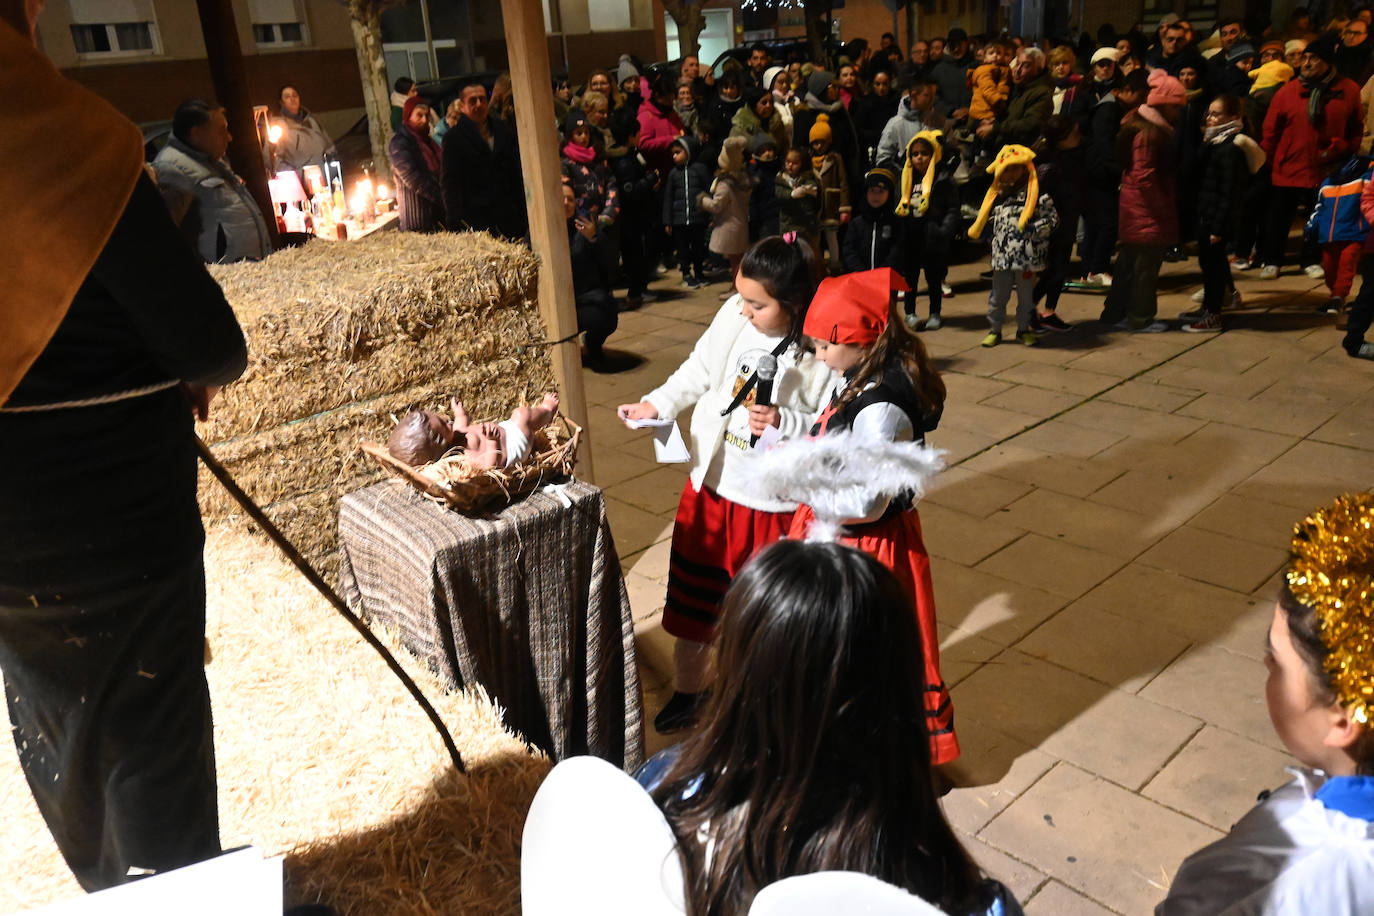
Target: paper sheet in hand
[[767, 439], [668, 445]]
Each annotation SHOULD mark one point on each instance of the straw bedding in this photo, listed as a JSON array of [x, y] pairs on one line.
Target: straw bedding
[[342, 339], [323, 756]]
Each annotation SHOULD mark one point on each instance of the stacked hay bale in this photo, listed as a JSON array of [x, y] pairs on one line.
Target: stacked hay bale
[[342, 338]]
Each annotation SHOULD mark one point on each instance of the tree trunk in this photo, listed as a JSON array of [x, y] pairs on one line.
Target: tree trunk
[[690, 22], [366, 19], [817, 13]]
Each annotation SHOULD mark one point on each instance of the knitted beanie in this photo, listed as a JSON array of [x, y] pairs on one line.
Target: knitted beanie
[[1324, 47], [731, 158], [927, 180], [818, 82], [771, 74], [625, 71], [1239, 51], [821, 129], [1165, 90], [1011, 154]]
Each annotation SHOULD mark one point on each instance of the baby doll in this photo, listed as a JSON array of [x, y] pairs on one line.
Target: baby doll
[[423, 436]]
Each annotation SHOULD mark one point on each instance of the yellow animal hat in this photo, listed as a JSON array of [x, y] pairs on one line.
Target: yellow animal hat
[[927, 181], [1011, 154], [1274, 73]]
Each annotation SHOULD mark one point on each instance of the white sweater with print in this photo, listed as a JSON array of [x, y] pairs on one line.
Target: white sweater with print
[[720, 363]]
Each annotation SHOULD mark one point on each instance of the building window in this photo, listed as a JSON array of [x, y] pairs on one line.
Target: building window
[[277, 23], [115, 38], [278, 33]]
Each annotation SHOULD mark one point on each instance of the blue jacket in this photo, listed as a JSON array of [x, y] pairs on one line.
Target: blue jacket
[[1336, 215]]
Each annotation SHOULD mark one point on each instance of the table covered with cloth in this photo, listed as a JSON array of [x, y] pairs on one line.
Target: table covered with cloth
[[530, 603]]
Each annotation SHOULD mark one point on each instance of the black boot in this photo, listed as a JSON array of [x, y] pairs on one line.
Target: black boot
[[679, 712]]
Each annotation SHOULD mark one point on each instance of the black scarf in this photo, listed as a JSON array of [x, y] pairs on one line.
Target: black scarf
[[1317, 87]]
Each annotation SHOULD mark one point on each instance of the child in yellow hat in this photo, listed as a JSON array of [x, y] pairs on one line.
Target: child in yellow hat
[[930, 203], [829, 168], [1022, 221]]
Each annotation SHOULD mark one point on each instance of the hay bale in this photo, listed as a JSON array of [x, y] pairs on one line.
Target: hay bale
[[341, 339], [331, 325]]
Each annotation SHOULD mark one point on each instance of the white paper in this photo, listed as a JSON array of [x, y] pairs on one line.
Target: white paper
[[242, 883], [654, 423], [668, 445], [768, 438]]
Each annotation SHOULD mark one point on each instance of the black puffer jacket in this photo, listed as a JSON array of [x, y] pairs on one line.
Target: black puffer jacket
[[684, 186], [1223, 176]]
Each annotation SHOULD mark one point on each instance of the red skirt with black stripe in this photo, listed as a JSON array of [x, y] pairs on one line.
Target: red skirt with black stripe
[[897, 544], [712, 540]]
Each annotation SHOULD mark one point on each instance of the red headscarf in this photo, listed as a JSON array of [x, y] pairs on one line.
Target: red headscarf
[[428, 148], [854, 308]]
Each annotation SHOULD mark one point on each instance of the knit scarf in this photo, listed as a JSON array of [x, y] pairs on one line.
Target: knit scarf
[[818, 161], [1317, 87], [583, 154], [62, 205], [1220, 133], [299, 117], [434, 157], [816, 104]]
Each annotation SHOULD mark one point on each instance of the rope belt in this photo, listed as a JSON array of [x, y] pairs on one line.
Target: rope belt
[[98, 399]]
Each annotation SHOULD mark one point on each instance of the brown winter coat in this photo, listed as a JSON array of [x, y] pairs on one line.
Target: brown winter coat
[[728, 204]]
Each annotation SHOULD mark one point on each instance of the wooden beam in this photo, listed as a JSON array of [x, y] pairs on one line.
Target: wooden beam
[[223, 54], [532, 87]]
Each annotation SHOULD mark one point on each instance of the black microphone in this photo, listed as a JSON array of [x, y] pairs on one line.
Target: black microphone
[[763, 390]]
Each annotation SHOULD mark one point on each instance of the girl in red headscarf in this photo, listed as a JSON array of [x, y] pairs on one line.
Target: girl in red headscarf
[[885, 387]]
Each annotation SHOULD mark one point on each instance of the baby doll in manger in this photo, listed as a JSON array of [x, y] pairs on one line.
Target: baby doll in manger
[[424, 436]]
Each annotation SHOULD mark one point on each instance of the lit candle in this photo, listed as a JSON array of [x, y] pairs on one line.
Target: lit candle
[[274, 133]]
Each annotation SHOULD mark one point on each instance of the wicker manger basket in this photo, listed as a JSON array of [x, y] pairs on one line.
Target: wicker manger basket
[[455, 482]]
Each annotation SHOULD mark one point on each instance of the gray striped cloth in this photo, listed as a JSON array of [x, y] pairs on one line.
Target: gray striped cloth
[[531, 604]]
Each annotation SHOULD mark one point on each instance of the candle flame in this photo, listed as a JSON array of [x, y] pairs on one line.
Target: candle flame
[[274, 133]]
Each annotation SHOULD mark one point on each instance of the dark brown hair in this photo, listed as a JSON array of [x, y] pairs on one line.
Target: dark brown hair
[[788, 271], [812, 752], [899, 349]]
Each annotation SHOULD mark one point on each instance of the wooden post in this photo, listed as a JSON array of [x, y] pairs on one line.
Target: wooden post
[[528, 50], [225, 58]]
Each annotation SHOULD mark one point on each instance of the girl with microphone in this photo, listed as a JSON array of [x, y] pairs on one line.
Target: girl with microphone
[[722, 518]]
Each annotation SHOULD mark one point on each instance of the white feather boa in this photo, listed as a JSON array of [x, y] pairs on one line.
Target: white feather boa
[[837, 471]]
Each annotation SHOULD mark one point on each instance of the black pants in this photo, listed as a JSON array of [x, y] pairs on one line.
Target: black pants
[[1099, 241], [920, 256], [1361, 310], [1254, 211], [634, 256], [597, 318], [1051, 282], [1134, 285], [1284, 204], [691, 249], [111, 716], [1216, 272]]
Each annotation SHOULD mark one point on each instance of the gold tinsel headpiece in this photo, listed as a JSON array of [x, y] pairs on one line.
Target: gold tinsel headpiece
[[1333, 574]]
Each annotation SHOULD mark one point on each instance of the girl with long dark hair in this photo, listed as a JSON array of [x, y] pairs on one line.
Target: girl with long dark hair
[[811, 754]]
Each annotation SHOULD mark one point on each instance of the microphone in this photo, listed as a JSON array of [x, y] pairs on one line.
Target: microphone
[[763, 390]]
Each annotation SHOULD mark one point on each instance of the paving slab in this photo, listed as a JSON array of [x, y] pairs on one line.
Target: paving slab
[[1074, 718], [1218, 776], [1055, 899], [1220, 687], [1115, 847]]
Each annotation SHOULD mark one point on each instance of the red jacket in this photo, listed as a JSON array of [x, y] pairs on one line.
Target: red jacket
[[1300, 153], [657, 133], [1148, 212]]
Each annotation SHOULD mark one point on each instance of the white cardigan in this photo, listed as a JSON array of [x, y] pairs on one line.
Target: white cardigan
[[706, 378]]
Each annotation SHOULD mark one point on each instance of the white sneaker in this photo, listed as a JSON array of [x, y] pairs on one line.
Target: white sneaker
[[1314, 272], [946, 290], [1200, 295], [1154, 327], [1104, 279], [1235, 302], [1269, 272]]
